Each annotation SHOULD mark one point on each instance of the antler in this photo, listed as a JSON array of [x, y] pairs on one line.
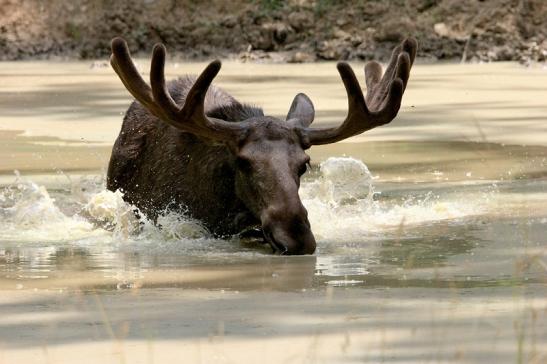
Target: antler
[[383, 98], [191, 116]]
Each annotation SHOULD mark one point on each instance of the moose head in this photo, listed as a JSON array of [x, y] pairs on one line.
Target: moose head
[[268, 153]]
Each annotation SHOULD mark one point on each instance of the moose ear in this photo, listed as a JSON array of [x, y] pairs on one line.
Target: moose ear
[[301, 112]]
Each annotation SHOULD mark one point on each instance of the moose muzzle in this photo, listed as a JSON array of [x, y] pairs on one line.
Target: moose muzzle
[[288, 231]]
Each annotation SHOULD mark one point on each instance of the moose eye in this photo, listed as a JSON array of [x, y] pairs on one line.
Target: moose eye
[[243, 164], [303, 168]]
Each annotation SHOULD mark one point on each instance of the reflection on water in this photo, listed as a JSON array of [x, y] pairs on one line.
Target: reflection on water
[[459, 253]]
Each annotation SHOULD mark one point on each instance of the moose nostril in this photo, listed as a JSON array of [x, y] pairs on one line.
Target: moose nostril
[[283, 250], [276, 245], [279, 247]]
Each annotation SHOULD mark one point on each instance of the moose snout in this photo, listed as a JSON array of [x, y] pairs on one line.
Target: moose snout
[[288, 231]]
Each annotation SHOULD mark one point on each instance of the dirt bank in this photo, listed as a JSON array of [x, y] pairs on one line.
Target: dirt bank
[[275, 30]]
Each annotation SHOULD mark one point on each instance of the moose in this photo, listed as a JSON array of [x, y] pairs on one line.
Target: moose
[[189, 146]]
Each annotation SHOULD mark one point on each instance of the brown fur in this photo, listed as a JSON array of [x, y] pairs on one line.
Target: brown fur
[[159, 167], [225, 163]]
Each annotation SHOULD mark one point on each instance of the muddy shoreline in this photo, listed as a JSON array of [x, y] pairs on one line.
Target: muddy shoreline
[[277, 31]]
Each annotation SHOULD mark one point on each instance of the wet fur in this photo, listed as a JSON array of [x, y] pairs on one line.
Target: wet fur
[[159, 167]]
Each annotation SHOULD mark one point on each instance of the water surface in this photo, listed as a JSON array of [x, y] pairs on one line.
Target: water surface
[[431, 232]]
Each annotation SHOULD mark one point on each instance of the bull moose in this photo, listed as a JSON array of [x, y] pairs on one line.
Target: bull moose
[[188, 145]]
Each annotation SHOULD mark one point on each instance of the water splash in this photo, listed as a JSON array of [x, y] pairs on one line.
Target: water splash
[[342, 181], [108, 209], [29, 213], [342, 204]]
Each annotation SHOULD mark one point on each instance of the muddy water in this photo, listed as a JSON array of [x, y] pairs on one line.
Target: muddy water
[[431, 231]]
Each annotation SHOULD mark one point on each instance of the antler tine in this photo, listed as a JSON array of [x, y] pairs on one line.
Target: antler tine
[[410, 45], [384, 95], [373, 75], [192, 115], [196, 96], [157, 81], [194, 109], [391, 104], [157, 99], [357, 111], [128, 73], [399, 66], [353, 89]]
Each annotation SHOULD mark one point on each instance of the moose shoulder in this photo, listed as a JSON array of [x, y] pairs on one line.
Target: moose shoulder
[[188, 145]]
